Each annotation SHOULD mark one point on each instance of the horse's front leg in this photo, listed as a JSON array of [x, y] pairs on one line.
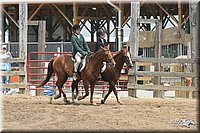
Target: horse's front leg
[[111, 85], [74, 86], [86, 86], [111, 88], [116, 95], [92, 85]]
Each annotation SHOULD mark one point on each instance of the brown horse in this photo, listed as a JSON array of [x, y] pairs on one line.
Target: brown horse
[[111, 74], [63, 67]]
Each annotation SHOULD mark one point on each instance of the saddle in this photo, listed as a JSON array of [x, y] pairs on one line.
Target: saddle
[[83, 64]]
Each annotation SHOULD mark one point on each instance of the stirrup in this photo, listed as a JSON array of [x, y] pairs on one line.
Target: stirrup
[[75, 76], [99, 77]]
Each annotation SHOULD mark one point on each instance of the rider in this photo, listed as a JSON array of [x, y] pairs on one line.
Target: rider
[[5, 54], [80, 48], [101, 42]]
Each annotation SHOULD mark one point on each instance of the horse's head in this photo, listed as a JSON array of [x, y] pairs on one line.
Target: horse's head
[[127, 56], [107, 55]]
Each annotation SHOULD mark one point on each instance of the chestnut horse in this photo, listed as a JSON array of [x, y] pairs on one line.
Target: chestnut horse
[[111, 74], [63, 67]]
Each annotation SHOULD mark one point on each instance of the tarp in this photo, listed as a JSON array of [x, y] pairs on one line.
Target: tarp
[[169, 36]]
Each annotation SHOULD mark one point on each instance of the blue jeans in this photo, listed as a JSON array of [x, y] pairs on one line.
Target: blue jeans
[[4, 80]]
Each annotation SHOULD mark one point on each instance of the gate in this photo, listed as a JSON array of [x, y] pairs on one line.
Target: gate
[[37, 72]]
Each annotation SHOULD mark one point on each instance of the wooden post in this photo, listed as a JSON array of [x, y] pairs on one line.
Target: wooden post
[[134, 43], [23, 15], [180, 46], [41, 48], [92, 30], [193, 36], [108, 31], [179, 13], [198, 47], [121, 6], [158, 47], [1, 27], [75, 13], [50, 25], [3, 21]]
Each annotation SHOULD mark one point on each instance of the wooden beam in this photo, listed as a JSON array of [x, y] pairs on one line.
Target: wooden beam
[[10, 16], [152, 11], [171, 16], [146, 21], [36, 11], [108, 30], [179, 13], [142, 3], [126, 18], [56, 25], [85, 10], [33, 23], [102, 24], [11, 60], [12, 73], [126, 21], [75, 13], [14, 85], [108, 13], [162, 74], [85, 25], [164, 60], [92, 18], [161, 87], [60, 11]]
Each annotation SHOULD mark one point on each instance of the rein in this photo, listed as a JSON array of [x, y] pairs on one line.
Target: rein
[[100, 60]]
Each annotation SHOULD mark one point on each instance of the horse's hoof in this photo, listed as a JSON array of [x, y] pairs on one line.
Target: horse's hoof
[[73, 102], [75, 96], [57, 96], [79, 98], [94, 104], [121, 103], [66, 101], [102, 101]]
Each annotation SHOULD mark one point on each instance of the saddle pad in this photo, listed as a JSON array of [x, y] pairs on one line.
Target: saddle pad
[[104, 67], [82, 64]]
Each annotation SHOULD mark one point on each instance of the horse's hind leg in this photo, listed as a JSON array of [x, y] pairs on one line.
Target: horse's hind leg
[[86, 86], [60, 82], [74, 86], [92, 85]]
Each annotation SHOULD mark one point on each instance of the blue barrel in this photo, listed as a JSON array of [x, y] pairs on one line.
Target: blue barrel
[[49, 92]]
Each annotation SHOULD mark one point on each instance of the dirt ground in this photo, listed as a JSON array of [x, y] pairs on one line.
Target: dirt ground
[[23, 112]]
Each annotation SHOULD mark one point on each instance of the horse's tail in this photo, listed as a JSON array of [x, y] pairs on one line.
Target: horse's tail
[[49, 73]]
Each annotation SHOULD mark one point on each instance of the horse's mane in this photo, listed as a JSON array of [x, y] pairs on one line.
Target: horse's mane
[[117, 54], [96, 53]]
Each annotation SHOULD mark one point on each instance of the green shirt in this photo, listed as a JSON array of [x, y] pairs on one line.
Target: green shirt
[[79, 45]]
